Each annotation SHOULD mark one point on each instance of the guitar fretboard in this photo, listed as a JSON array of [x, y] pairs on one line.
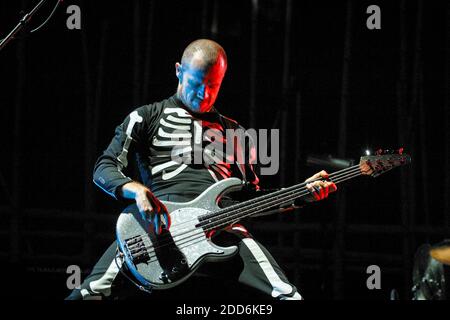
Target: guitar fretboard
[[236, 212]]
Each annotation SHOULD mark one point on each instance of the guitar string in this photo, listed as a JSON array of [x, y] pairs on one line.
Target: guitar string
[[236, 206], [218, 214], [276, 193], [228, 219], [262, 206], [244, 205], [270, 197], [200, 234]]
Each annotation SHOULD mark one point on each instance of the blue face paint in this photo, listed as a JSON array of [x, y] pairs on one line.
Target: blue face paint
[[200, 86], [194, 88]]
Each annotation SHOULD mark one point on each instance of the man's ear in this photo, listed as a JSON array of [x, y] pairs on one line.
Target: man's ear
[[179, 71]]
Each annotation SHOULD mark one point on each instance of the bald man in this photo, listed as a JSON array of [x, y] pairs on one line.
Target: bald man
[[148, 138]]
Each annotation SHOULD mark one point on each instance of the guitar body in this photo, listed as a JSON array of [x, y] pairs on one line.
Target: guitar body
[[166, 260]]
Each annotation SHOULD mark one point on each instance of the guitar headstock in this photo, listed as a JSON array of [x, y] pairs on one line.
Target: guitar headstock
[[383, 161]]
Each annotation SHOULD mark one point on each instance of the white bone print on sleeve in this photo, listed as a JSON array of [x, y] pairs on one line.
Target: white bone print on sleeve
[[134, 118]]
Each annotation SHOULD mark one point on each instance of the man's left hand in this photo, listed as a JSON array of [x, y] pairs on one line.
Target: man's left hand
[[321, 188]]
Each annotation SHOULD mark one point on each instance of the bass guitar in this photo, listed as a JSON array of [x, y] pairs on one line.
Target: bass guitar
[[166, 260]]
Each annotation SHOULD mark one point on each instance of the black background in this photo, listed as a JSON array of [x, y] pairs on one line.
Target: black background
[[55, 79]]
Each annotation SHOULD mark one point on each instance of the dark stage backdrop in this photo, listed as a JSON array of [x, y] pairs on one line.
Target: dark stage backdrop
[[312, 69]]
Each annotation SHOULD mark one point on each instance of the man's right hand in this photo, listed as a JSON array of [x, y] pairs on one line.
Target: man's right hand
[[149, 206]]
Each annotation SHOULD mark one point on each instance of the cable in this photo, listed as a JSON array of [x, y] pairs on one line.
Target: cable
[[48, 18], [44, 23], [140, 287]]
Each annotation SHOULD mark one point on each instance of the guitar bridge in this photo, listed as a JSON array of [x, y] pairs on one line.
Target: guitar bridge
[[137, 250]]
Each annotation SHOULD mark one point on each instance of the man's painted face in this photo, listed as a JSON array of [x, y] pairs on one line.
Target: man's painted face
[[200, 85]]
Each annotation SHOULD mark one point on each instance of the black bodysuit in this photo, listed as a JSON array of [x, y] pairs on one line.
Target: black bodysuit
[[152, 136], [170, 147]]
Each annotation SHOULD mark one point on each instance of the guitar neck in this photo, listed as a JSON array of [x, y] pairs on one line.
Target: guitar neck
[[226, 216]]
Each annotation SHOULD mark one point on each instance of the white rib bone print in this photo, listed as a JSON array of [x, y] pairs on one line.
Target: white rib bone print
[[174, 139]]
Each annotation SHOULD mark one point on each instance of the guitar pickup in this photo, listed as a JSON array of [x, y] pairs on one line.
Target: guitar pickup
[[137, 250]]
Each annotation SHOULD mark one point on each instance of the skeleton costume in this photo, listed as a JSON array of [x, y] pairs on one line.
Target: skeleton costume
[[178, 155]]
